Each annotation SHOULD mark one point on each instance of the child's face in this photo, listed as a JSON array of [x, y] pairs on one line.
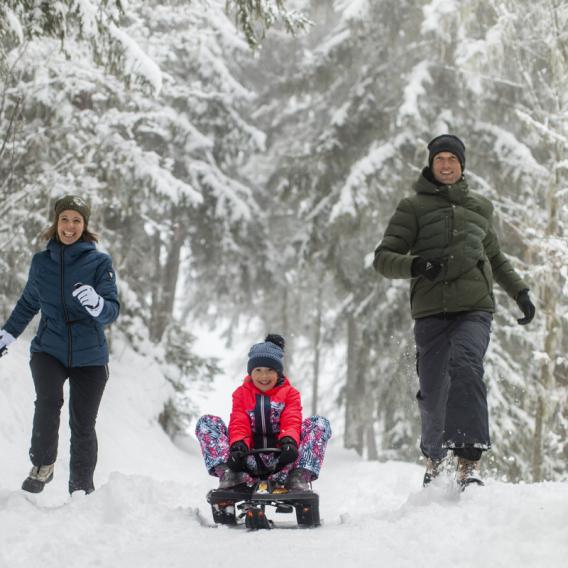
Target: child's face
[[264, 378]]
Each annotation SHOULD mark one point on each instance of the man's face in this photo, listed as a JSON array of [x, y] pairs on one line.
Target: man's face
[[446, 168]]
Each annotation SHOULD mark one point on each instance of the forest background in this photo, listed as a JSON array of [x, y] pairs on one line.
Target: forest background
[[242, 175]]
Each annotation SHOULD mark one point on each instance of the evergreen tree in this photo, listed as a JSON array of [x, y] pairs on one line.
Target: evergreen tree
[[157, 150], [348, 139]]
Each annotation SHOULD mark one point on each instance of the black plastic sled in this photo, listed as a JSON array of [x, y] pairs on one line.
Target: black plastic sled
[[230, 506]]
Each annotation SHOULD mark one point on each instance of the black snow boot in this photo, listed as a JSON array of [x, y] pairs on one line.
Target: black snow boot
[[38, 477], [228, 479], [299, 479], [86, 487]]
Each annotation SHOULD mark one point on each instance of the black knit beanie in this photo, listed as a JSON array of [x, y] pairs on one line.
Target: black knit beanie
[[447, 143]]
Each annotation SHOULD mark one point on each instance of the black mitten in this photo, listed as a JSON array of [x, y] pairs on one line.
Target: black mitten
[[289, 451], [237, 456], [526, 306], [427, 268]]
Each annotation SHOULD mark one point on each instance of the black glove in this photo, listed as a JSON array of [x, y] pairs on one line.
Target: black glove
[[289, 451], [526, 306], [427, 268], [237, 456]]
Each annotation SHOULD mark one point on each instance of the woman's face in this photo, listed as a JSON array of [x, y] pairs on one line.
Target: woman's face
[[70, 226], [264, 378]]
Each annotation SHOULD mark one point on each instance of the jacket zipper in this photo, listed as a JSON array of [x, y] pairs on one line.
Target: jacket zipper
[[263, 420], [66, 313]]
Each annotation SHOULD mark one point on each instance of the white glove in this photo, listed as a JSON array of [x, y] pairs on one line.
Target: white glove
[[5, 340], [89, 299]]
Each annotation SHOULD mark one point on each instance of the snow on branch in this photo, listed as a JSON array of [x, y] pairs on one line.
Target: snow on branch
[[233, 199], [88, 18], [256, 17], [513, 152], [415, 88], [150, 167], [435, 15], [12, 23], [353, 9], [352, 194], [542, 128], [136, 62]]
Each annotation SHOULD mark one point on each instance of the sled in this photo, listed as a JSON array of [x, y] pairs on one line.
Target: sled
[[231, 506]]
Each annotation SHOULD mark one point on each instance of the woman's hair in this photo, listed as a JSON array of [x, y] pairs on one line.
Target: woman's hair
[[51, 233]]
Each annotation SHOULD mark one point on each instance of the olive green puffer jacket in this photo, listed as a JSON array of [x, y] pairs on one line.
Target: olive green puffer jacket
[[454, 226]]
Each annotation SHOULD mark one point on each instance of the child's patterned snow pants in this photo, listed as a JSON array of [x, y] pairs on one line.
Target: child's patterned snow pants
[[213, 437]]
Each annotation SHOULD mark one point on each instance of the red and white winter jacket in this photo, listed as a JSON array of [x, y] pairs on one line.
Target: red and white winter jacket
[[260, 419]]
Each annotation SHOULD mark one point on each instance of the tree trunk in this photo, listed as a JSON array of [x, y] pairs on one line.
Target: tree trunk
[[354, 392], [548, 304], [317, 349], [372, 450], [163, 297], [546, 387], [155, 284]]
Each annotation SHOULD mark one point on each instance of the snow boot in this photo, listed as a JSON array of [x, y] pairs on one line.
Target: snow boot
[[38, 477], [433, 469], [228, 479], [299, 479], [468, 473], [77, 486]]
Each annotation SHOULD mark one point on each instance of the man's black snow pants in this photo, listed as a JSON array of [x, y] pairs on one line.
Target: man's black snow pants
[[86, 387], [452, 396]]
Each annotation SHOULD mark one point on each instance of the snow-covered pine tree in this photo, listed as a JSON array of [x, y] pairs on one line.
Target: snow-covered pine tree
[[526, 47], [256, 17], [348, 138], [158, 155], [509, 61], [327, 141]]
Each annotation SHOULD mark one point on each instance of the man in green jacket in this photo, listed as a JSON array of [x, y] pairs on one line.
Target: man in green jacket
[[442, 238]]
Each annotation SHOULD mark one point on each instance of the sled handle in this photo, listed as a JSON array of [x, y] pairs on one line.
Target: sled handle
[[263, 471], [255, 451]]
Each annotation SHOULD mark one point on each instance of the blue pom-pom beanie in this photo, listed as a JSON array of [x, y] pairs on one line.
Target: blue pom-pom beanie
[[266, 354]]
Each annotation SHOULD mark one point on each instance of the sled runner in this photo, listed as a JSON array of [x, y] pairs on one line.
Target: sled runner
[[230, 506]]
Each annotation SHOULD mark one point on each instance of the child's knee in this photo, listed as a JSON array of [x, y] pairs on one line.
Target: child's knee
[[318, 424], [208, 422]]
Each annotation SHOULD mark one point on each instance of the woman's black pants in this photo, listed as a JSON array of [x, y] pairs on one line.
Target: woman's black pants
[[86, 387]]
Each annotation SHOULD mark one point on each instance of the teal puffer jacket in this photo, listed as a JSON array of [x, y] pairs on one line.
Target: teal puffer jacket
[[454, 226]]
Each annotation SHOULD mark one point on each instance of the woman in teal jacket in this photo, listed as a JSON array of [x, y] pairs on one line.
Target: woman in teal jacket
[[73, 286]]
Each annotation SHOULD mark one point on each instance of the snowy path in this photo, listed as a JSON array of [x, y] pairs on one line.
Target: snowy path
[[153, 514], [381, 518]]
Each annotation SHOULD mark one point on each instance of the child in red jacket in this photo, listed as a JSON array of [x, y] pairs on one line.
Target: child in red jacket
[[266, 413]]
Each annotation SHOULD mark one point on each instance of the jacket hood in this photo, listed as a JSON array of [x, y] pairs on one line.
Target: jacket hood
[[248, 384], [71, 252], [455, 193]]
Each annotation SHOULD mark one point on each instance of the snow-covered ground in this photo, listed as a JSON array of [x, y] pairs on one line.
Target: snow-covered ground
[[149, 509]]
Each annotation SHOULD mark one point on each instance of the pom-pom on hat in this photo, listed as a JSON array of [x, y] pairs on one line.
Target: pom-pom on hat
[[75, 203], [269, 354], [447, 143]]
